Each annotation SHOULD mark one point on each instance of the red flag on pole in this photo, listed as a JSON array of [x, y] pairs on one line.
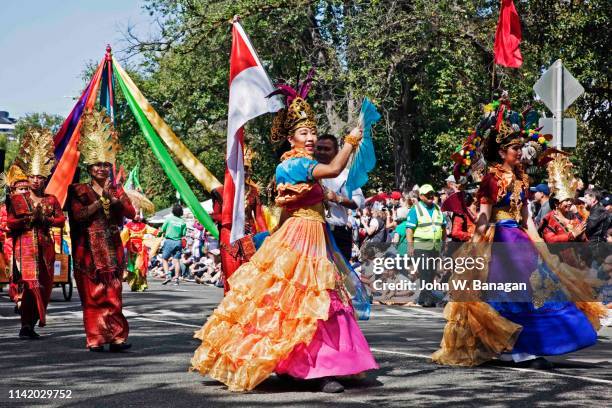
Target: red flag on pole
[[508, 37]]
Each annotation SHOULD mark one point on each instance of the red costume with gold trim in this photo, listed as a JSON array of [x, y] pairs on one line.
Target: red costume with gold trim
[[231, 257], [5, 245], [33, 252], [98, 262], [132, 237]]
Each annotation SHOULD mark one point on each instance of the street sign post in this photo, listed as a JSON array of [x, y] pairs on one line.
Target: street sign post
[[558, 89], [569, 131]]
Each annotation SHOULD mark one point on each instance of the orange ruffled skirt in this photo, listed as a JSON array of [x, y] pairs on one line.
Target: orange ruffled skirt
[[277, 302]]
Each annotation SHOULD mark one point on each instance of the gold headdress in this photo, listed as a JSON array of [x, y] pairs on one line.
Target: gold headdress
[[98, 142], [561, 178], [249, 156], [36, 157], [13, 177], [298, 112]]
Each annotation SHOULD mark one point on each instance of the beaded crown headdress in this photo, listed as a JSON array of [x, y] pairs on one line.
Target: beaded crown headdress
[[297, 113]]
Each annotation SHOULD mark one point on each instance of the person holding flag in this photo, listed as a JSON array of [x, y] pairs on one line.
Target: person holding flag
[[288, 302], [232, 256]]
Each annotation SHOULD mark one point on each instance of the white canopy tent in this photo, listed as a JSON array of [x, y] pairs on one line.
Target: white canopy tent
[[159, 217]]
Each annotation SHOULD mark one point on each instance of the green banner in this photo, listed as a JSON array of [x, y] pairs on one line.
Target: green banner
[[173, 173]]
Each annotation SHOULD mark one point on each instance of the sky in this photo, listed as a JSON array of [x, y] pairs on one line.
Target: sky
[[46, 44]]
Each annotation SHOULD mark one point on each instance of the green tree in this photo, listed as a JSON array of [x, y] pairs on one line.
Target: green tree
[[427, 65]]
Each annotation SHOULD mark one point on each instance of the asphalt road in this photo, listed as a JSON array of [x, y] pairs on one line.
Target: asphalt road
[[154, 373]]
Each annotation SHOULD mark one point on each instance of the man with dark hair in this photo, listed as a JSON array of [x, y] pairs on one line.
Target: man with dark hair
[[174, 229], [336, 195], [597, 224], [542, 197]]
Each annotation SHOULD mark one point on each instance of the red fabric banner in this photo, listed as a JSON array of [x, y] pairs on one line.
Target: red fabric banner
[[508, 37]]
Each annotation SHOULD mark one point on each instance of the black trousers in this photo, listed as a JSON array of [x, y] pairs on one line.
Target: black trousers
[[427, 274], [344, 240]]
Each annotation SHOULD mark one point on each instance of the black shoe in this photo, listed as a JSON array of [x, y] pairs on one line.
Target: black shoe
[[166, 281], [96, 349], [285, 377], [28, 333], [119, 347], [539, 363], [330, 386]]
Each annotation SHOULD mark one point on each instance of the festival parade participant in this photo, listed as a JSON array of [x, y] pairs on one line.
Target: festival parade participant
[[30, 216], [232, 256], [16, 182], [522, 326], [132, 236], [561, 224], [288, 310], [96, 212]]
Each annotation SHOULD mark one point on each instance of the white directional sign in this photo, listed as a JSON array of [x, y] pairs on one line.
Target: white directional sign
[[569, 131], [558, 89], [546, 87]]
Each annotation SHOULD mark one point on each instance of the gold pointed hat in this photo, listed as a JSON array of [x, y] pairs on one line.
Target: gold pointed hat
[[98, 143], [561, 177], [13, 177], [36, 157]]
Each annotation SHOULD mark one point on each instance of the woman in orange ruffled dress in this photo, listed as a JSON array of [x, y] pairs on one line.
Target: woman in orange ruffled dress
[[289, 310]]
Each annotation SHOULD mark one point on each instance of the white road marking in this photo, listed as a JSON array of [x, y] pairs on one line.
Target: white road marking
[[166, 322], [404, 312], [527, 370]]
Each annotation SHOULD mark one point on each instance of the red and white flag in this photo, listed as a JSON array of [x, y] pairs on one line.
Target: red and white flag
[[249, 86]]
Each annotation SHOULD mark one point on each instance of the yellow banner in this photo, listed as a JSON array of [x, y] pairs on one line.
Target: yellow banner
[[201, 173]]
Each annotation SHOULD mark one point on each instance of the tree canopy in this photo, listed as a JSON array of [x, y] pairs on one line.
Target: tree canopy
[[428, 65]]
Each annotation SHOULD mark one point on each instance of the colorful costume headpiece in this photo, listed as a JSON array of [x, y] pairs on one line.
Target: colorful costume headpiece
[[36, 157], [298, 112], [499, 128], [15, 177], [561, 178], [98, 143]]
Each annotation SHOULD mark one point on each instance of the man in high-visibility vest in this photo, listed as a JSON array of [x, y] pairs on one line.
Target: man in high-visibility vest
[[426, 234]]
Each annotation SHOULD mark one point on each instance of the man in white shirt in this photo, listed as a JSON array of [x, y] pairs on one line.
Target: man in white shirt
[[336, 196]]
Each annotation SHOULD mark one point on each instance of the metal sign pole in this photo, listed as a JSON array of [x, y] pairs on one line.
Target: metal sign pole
[[558, 124], [558, 89]]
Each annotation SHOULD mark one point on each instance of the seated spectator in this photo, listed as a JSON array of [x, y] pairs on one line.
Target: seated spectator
[[185, 263], [207, 270]]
